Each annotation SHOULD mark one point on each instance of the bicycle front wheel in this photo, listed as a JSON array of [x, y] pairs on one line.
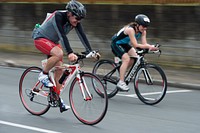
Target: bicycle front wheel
[[87, 105], [105, 70], [150, 84], [32, 93]]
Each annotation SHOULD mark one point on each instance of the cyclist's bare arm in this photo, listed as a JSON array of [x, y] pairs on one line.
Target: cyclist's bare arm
[[131, 33]]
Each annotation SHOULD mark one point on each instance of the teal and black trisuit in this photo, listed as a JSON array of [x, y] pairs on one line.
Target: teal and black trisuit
[[121, 43]]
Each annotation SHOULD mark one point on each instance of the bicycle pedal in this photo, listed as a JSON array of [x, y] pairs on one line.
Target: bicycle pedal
[[36, 90], [121, 90], [54, 103], [53, 99]]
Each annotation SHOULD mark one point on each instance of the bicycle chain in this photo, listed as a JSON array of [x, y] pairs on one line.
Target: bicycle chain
[[53, 98]]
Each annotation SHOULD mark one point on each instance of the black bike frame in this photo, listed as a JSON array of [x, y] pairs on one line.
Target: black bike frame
[[128, 77], [108, 78]]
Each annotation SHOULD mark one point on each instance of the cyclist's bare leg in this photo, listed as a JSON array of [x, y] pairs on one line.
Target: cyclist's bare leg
[[54, 60], [132, 53], [57, 76], [56, 55], [125, 63], [51, 61], [121, 85]]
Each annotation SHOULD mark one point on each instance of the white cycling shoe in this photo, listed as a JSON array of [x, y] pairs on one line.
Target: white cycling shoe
[[45, 80], [121, 85]]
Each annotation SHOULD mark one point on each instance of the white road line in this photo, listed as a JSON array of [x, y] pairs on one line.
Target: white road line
[[177, 91], [135, 96], [130, 95], [27, 127]]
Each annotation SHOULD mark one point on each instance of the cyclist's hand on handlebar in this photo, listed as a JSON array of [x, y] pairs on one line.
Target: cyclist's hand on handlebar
[[153, 48], [72, 57], [97, 56], [94, 54]]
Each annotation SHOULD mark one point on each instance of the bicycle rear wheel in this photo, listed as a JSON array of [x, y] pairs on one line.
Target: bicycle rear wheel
[[150, 84], [91, 109], [105, 70], [32, 93]]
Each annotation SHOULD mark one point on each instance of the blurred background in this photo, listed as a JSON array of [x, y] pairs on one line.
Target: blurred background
[[175, 24]]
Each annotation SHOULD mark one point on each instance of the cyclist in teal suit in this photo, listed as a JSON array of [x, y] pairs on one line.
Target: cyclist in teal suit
[[126, 40]]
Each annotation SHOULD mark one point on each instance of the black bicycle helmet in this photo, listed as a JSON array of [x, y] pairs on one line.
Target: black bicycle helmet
[[142, 19], [76, 8]]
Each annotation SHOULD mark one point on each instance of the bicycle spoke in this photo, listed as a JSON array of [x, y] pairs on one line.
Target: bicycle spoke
[[105, 70], [150, 84], [34, 100], [91, 109]]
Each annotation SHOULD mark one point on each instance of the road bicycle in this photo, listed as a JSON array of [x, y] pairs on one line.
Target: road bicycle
[[87, 95], [149, 80]]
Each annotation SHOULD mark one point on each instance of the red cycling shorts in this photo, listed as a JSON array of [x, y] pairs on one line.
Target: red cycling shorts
[[45, 45]]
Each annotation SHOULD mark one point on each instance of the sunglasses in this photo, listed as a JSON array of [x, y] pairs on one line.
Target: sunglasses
[[76, 17], [144, 26]]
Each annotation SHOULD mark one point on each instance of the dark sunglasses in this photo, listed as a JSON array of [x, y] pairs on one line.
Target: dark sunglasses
[[144, 26], [76, 17]]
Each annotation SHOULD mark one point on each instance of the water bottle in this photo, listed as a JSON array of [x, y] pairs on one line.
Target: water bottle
[[37, 26], [63, 77]]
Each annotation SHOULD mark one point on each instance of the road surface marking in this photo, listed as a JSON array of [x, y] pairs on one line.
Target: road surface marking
[[27, 127], [135, 96]]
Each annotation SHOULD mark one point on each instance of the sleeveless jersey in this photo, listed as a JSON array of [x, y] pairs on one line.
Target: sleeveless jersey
[[121, 38]]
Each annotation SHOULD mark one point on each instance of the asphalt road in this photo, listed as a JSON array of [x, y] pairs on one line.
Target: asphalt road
[[179, 112]]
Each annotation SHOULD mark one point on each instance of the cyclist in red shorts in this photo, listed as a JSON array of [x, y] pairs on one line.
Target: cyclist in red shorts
[[54, 29]]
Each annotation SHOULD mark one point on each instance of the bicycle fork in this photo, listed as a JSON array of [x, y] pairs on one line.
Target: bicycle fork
[[84, 89], [147, 76]]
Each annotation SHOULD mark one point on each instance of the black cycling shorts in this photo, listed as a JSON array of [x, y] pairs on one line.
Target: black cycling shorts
[[120, 49]]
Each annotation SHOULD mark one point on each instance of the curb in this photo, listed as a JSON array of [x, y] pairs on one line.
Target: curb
[[10, 63], [184, 85]]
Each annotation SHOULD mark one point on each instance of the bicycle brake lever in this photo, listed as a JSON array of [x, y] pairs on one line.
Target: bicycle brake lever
[[157, 45], [159, 52]]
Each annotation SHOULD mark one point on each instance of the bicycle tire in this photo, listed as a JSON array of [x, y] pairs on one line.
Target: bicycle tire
[[101, 69], [35, 101], [150, 91], [91, 110]]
